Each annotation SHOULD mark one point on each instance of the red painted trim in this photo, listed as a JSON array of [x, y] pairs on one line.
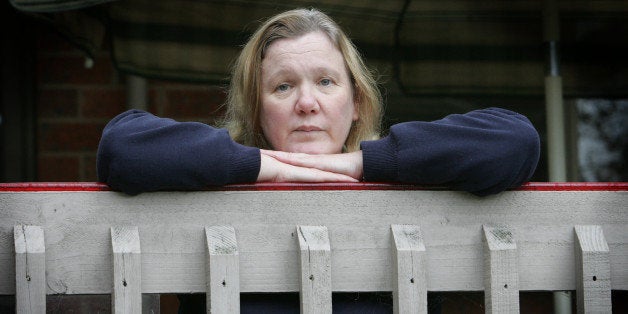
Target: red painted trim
[[97, 187], [53, 187], [574, 186]]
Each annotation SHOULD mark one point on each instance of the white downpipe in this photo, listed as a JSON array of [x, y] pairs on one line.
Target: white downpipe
[[136, 92], [555, 112], [555, 116], [555, 129]]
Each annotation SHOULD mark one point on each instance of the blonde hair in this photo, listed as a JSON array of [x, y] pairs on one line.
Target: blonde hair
[[244, 96]]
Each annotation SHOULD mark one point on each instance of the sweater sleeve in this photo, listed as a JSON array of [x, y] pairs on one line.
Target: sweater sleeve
[[139, 152], [482, 152]]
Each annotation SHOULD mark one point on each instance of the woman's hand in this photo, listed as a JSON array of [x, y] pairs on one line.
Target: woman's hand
[[274, 170], [348, 165]]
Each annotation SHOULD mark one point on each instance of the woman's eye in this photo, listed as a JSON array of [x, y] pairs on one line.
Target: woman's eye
[[283, 87], [325, 82]]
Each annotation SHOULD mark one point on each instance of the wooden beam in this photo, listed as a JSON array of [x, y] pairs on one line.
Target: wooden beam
[[30, 269], [223, 270], [315, 261], [593, 280], [501, 277], [126, 296], [409, 279], [174, 249]]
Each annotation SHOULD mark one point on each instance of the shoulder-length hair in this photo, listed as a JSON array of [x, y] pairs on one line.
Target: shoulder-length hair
[[244, 96]]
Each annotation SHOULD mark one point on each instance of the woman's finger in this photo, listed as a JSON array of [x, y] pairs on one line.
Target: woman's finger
[[349, 164], [273, 170], [301, 174]]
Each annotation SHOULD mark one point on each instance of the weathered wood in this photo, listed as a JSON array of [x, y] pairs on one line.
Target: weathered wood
[[593, 277], [174, 251], [501, 277], [126, 296], [30, 269], [223, 272], [409, 278], [315, 261]]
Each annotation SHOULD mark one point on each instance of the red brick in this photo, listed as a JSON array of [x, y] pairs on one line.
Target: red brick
[[103, 103], [71, 70], [69, 137], [58, 169], [49, 40], [192, 103], [153, 101], [57, 103]]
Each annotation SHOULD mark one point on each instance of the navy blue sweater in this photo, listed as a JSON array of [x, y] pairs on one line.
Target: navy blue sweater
[[483, 152]]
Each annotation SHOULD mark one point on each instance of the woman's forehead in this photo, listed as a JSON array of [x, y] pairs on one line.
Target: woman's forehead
[[309, 42], [312, 51]]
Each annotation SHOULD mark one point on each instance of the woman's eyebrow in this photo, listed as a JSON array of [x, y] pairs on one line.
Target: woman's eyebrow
[[329, 71], [275, 72], [281, 70]]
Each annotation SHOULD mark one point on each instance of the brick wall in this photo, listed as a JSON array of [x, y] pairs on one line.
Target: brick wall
[[75, 102]]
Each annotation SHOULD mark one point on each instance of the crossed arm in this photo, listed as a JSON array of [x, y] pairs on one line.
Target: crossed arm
[[482, 152]]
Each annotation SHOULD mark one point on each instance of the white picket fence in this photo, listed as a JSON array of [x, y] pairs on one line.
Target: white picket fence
[[315, 239]]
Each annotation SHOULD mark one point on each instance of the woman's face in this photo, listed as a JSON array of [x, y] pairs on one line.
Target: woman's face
[[307, 96]]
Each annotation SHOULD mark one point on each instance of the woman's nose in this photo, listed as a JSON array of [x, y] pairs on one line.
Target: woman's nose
[[307, 102]]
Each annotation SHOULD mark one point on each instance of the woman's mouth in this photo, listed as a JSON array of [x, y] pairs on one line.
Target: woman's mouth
[[308, 128]]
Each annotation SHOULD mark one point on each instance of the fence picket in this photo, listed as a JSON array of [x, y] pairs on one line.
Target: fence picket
[[409, 279], [223, 270], [315, 262], [501, 277], [30, 269], [126, 296], [593, 279]]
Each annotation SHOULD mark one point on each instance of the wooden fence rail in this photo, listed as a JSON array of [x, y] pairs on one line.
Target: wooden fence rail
[[315, 239]]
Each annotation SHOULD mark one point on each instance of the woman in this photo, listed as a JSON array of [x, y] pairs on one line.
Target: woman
[[303, 107]]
